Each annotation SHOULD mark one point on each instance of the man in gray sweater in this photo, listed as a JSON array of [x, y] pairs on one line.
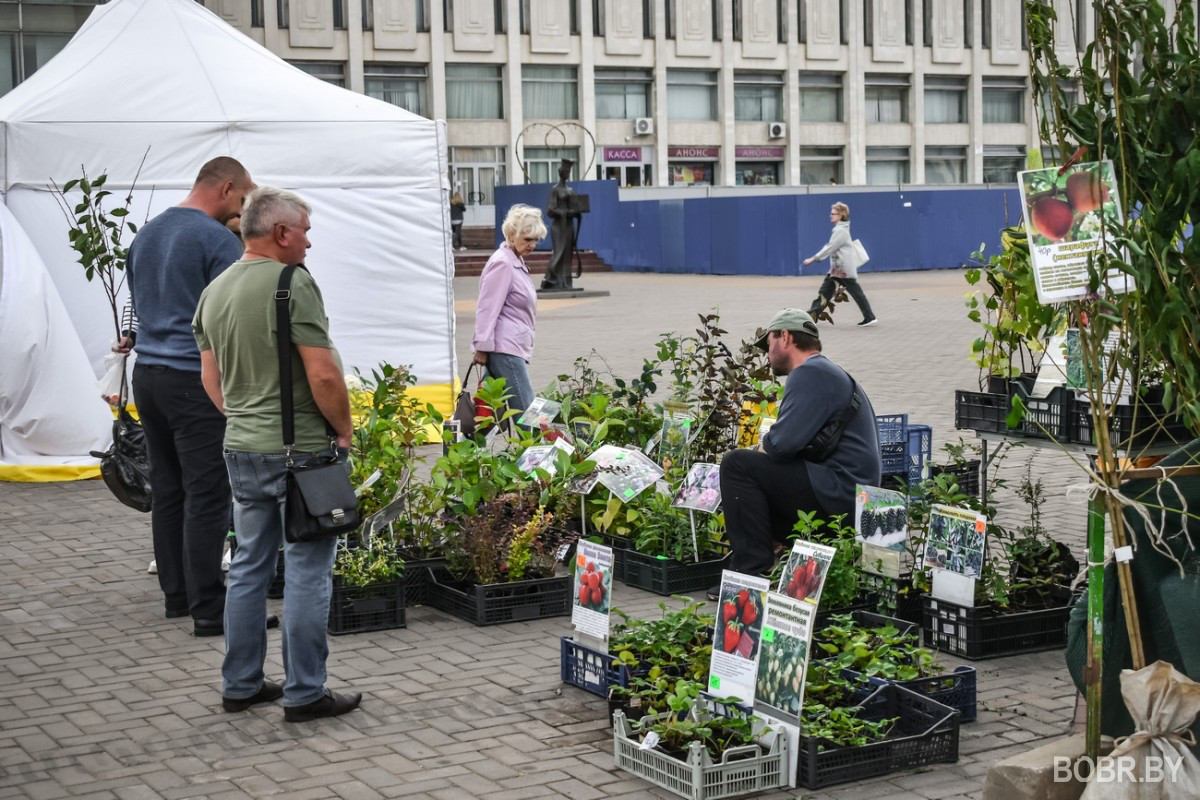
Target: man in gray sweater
[[762, 489]]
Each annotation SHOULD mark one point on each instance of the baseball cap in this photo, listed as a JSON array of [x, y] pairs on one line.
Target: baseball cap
[[789, 319]]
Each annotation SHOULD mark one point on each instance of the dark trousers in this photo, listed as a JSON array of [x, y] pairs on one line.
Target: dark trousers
[[852, 286], [456, 228], [190, 485], [760, 498]]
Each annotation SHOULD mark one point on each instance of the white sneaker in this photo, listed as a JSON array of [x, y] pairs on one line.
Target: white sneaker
[[866, 323], [153, 568]]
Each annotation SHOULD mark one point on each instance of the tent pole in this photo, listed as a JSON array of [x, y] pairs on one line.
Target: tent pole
[[1095, 630]]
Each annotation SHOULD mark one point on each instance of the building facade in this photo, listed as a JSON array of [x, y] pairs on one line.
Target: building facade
[[664, 92]]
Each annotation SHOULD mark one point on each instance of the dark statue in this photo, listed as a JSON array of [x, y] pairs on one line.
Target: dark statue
[[565, 209]]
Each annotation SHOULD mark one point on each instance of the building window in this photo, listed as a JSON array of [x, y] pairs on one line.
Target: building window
[[757, 96], [474, 91], [945, 164], [281, 13], [339, 15], [691, 94], [927, 23], [623, 93], [886, 98], [33, 33], [329, 71], [256, 13], [1001, 163], [397, 84], [757, 173], [820, 97], [821, 165], [542, 163], [887, 165], [368, 15], [945, 99], [692, 173], [549, 92], [1004, 100]]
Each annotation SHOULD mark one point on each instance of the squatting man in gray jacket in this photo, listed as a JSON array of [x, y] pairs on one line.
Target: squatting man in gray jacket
[[763, 489]]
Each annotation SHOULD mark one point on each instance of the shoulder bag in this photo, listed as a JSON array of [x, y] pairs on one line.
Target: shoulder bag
[[826, 440], [860, 253], [320, 500]]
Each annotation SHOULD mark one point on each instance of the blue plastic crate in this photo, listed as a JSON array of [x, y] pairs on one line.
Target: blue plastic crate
[[590, 669], [919, 453]]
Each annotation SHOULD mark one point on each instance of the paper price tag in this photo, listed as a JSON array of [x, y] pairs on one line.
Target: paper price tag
[[1123, 554], [650, 741]]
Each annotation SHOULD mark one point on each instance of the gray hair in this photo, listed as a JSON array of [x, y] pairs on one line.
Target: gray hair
[[521, 221], [267, 207]]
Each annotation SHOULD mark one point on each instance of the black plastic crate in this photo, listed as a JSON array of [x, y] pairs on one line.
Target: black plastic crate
[[925, 733], [416, 579], [865, 619], [496, 603], [966, 475], [1130, 427], [590, 669], [980, 411], [1045, 417], [957, 689], [864, 603], [357, 609], [619, 545], [895, 597], [982, 632], [892, 432], [666, 576]]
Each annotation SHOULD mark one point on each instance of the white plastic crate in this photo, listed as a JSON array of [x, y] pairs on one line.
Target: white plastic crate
[[742, 770]]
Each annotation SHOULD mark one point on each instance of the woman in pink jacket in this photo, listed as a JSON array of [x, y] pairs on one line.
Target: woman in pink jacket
[[507, 307]]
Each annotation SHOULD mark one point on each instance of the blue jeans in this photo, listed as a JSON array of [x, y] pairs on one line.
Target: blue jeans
[[259, 490], [516, 379]]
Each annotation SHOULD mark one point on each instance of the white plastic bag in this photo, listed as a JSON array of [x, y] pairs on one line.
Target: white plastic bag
[[1157, 761], [860, 252], [110, 383]]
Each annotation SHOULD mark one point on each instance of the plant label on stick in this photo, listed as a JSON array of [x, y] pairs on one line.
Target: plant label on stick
[[678, 428], [592, 589], [624, 472], [956, 541], [737, 639], [783, 665], [804, 573], [881, 521], [701, 489], [952, 587], [1065, 219], [540, 414]]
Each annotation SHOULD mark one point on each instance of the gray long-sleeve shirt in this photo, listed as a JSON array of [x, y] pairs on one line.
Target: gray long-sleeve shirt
[[814, 393], [840, 252]]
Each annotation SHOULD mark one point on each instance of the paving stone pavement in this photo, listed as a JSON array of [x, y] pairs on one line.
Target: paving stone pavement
[[100, 697]]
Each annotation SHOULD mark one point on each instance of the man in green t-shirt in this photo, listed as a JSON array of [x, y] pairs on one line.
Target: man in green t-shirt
[[235, 329]]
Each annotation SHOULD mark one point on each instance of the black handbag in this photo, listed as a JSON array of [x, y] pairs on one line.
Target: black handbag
[[464, 407], [125, 465], [320, 501]]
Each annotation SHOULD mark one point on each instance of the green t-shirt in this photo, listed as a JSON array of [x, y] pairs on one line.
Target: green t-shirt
[[236, 320]]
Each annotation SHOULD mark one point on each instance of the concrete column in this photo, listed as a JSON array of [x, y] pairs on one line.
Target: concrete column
[[662, 173], [354, 37], [587, 90], [979, 60], [791, 98], [437, 60], [856, 147], [725, 104], [514, 105], [916, 123]]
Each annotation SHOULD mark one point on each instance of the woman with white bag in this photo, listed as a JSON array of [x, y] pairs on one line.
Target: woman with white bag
[[845, 257]]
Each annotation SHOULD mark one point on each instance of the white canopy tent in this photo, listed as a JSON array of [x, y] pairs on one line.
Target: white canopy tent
[[168, 81]]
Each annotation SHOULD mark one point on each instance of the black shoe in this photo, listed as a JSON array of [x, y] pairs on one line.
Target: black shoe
[[331, 704], [269, 692], [866, 323], [714, 593], [176, 613], [216, 627]]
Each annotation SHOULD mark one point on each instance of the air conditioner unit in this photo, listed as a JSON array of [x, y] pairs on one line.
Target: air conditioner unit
[[776, 130], [643, 126]]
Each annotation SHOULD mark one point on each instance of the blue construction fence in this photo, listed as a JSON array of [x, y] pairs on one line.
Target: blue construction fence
[[907, 228]]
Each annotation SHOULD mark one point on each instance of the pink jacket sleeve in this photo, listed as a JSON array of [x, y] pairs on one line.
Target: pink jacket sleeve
[[494, 286]]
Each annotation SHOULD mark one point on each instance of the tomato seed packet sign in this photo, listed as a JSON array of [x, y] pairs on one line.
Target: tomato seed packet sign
[[738, 636], [786, 635], [624, 472], [804, 574], [881, 520], [593, 589], [956, 540], [541, 413], [1065, 217], [701, 489]]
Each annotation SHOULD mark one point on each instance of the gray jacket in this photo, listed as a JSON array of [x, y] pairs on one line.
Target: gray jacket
[[843, 261]]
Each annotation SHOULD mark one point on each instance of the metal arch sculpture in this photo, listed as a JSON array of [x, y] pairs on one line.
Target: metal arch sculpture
[[551, 129]]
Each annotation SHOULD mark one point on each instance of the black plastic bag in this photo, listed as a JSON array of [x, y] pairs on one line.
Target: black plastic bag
[[125, 466]]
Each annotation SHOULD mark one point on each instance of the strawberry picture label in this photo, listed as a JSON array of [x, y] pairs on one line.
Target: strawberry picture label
[[787, 632], [737, 637], [1069, 217], [592, 589], [804, 573]]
